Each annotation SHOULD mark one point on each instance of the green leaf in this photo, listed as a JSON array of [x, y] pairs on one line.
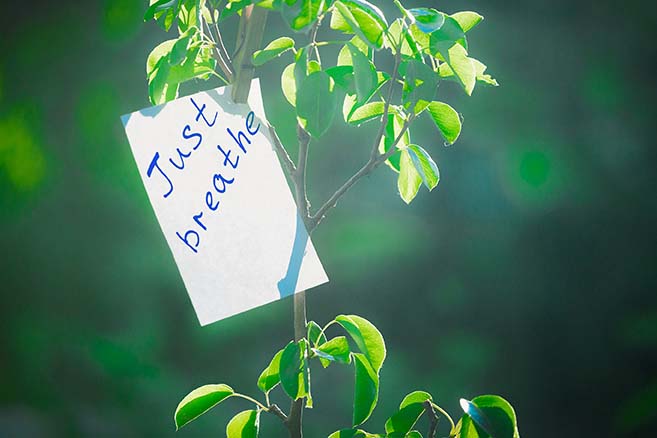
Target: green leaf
[[313, 66], [343, 76], [428, 20], [366, 112], [300, 14], [493, 414], [234, 7], [160, 51], [270, 376], [366, 391], [413, 434], [293, 370], [446, 119], [450, 33], [301, 67], [424, 166], [364, 74], [370, 9], [180, 47], [480, 74], [410, 411], [409, 180], [199, 401], [465, 428], [272, 50], [350, 18], [398, 38], [288, 84], [467, 19], [334, 350], [393, 129], [367, 337], [317, 103], [315, 334], [462, 66], [246, 424], [164, 79], [164, 11], [420, 82], [351, 433]]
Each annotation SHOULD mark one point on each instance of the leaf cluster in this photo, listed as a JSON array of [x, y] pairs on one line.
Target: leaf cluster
[[389, 69], [362, 347]]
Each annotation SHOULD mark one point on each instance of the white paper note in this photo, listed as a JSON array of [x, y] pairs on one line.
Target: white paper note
[[222, 200]]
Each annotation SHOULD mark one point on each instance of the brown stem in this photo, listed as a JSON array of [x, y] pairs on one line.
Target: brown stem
[[372, 164], [275, 410], [433, 418]]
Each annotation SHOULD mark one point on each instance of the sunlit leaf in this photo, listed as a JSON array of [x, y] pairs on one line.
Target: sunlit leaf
[[364, 74], [199, 401], [270, 376], [366, 112], [427, 19], [317, 103], [446, 119], [288, 84], [246, 424], [493, 414], [424, 165], [315, 334], [408, 180], [410, 411], [367, 337], [467, 19], [366, 390], [272, 50], [334, 350], [300, 14], [293, 372], [350, 18]]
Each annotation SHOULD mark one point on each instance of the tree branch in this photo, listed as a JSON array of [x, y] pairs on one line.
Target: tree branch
[[275, 410], [223, 59], [386, 107], [288, 164], [299, 179], [371, 164]]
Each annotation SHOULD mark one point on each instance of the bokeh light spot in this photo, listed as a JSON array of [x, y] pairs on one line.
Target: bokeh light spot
[[534, 168], [21, 157], [122, 18]]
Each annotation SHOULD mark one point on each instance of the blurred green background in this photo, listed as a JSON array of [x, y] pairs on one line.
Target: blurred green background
[[529, 272]]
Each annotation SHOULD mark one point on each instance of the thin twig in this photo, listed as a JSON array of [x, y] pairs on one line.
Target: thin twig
[[288, 164], [220, 45], [367, 168], [223, 62], [386, 106], [251, 399], [442, 411]]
